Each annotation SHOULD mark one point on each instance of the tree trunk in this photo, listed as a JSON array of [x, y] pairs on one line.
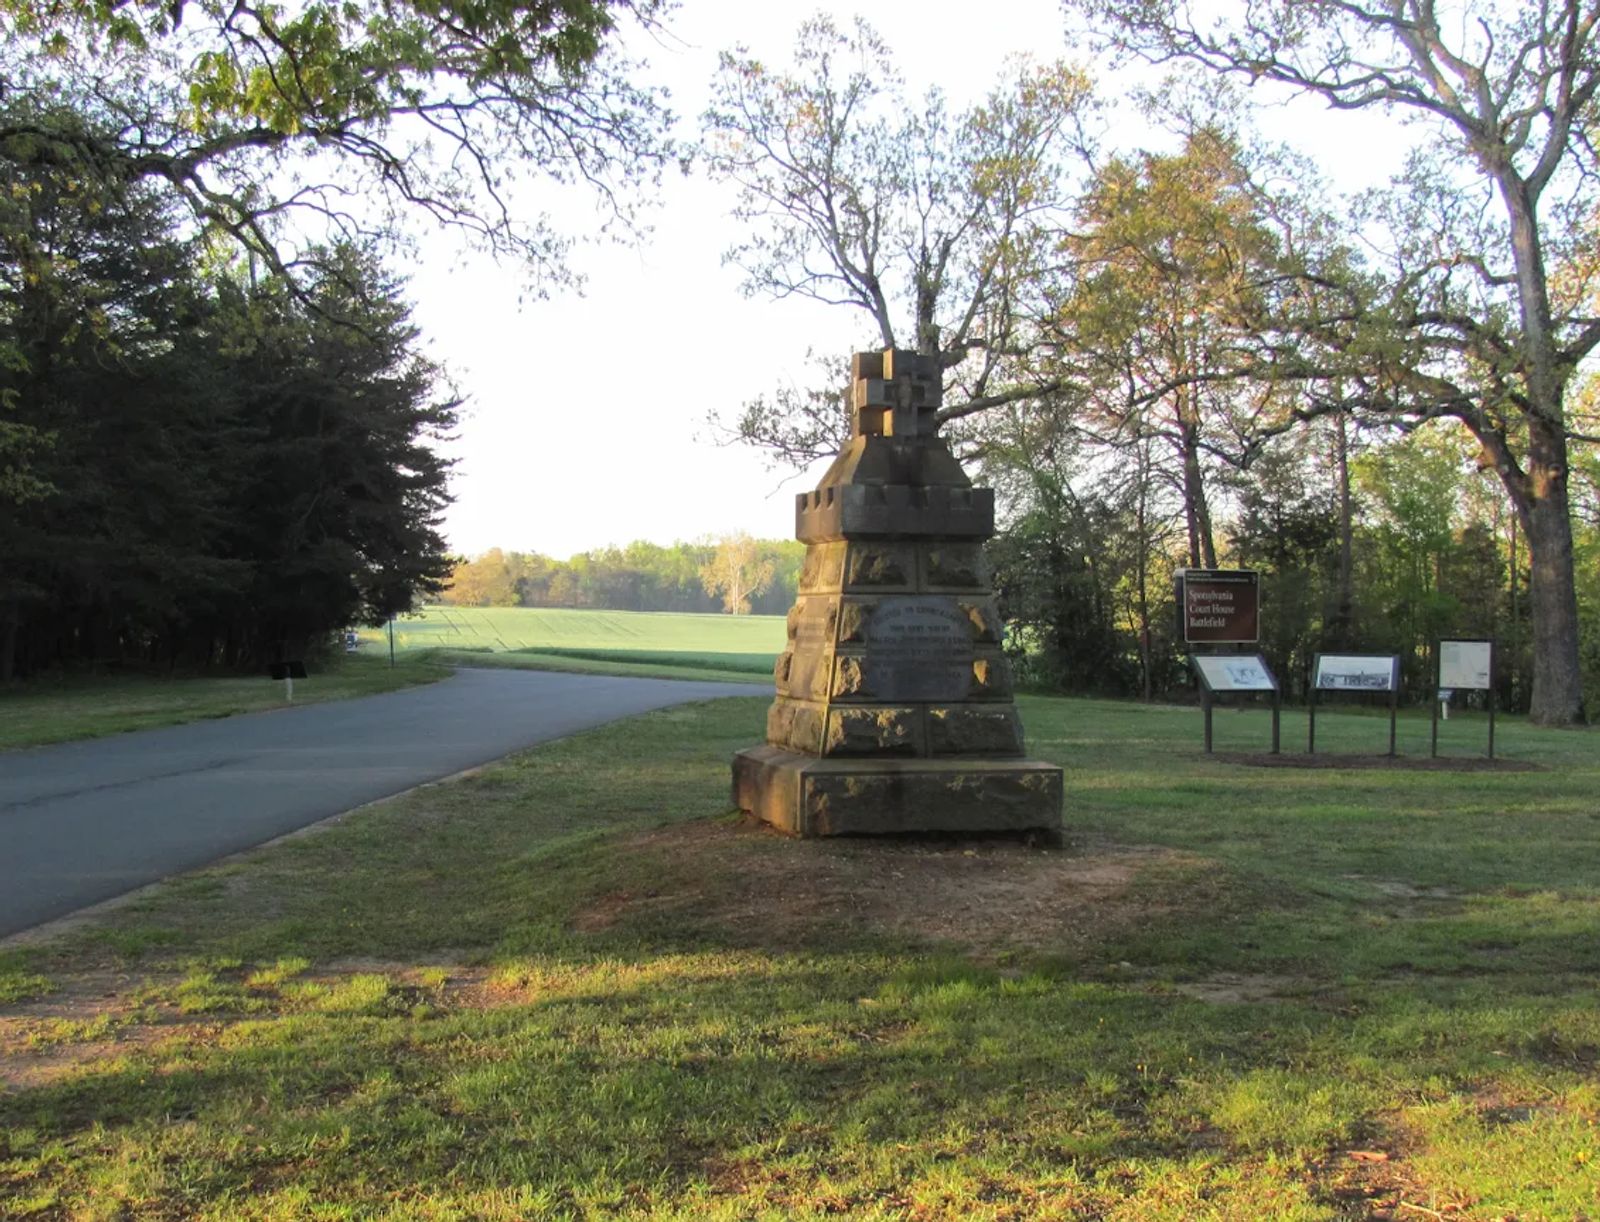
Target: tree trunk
[[8, 643], [1516, 619], [1557, 697], [1538, 490], [1345, 599], [1143, 552], [1196, 513]]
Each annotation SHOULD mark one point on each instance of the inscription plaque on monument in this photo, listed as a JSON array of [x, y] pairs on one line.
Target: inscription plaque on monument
[[920, 648]]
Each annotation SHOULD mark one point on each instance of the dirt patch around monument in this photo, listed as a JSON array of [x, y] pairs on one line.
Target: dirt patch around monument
[[1394, 763], [986, 896]]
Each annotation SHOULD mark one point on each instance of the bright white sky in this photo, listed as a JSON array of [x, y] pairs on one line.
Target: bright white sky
[[586, 416]]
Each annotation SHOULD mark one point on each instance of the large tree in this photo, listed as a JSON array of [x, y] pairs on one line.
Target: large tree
[[1183, 263], [111, 520], [738, 571], [936, 227], [337, 489], [273, 122], [1467, 317]]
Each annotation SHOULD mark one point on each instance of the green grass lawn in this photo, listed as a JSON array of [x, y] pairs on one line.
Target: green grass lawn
[[572, 985], [59, 709], [744, 643]]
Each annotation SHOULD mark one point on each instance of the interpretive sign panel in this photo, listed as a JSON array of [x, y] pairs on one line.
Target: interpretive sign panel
[[1357, 672], [1466, 665], [1235, 674], [919, 648], [1220, 606], [1220, 673]]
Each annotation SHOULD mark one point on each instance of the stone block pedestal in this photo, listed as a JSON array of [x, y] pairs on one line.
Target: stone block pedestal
[[808, 796]]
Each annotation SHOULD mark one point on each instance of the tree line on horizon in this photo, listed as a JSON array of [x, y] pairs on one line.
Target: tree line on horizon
[[734, 574]]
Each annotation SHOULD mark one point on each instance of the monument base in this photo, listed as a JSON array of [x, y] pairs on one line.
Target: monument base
[[805, 795]]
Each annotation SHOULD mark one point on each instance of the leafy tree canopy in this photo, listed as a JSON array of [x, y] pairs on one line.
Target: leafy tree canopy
[[935, 226], [289, 125]]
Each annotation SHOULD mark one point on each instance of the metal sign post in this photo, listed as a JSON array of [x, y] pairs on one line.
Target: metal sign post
[[1465, 665]]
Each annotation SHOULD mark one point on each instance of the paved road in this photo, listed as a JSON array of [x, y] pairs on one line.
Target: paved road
[[82, 822]]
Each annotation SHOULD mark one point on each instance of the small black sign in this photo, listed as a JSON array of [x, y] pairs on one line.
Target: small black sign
[[289, 670]]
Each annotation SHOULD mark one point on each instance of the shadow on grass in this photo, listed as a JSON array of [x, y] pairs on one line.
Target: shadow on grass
[[1387, 971]]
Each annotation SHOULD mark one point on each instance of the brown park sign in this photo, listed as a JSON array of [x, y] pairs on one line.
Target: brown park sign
[[1219, 606]]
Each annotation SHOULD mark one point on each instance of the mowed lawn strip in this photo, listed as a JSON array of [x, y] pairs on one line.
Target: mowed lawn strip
[[62, 709], [573, 985], [731, 641]]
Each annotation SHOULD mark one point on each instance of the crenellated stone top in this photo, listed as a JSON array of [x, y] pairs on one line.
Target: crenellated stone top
[[896, 477]]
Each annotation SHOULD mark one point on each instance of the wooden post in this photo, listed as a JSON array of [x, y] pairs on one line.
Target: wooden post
[[1205, 703]]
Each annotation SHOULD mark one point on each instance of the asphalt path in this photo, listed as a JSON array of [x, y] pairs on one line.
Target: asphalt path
[[84, 822]]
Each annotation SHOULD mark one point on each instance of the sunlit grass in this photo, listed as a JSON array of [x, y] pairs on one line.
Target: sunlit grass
[[729, 638], [552, 990]]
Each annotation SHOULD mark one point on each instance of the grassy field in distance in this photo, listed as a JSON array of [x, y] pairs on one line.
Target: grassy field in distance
[[722, 647], [743, 643], [562, 988]]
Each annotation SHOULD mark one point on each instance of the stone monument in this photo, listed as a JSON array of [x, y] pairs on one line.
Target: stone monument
[[894, 708]]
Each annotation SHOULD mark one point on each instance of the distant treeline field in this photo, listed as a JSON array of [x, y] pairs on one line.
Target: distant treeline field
[[640, 576]]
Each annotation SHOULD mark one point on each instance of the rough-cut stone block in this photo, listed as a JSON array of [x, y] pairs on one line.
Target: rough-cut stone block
[[877, 566], [849, 679], [974, 730], [822, 568], [780, 721], [795, 725], [813, 619], [983, 616], [855, 614], [873, 730], [991, 677], [806, 796], [957, 566]]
